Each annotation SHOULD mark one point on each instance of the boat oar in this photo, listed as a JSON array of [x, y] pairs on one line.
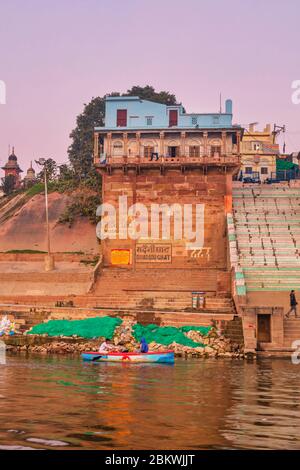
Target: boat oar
[[95, 358]]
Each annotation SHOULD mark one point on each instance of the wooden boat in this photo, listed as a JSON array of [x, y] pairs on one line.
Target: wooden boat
[[157, 356]]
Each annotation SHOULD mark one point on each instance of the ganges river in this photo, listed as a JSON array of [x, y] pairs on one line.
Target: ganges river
[[59, 402]]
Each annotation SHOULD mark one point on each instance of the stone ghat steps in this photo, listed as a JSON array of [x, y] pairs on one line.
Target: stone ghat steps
[[193, 319], [49, 277], [159, 300], [157, 279], [291, 329], [135, 300], [15, 289], [26, 318]]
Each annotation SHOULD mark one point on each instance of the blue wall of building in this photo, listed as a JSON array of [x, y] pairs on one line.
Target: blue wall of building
[[138, 111]]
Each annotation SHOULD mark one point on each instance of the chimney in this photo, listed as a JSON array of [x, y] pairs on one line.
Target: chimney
[[228, 106]]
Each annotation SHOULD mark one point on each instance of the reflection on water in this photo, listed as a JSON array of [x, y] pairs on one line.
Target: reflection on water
[[62, 403]]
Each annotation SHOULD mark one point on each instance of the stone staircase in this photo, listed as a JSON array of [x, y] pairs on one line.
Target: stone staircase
[[161, 296], [267, 225], [291, 328], [26, 318]]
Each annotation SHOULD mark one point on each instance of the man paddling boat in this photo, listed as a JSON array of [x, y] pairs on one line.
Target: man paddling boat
[[105, 346]]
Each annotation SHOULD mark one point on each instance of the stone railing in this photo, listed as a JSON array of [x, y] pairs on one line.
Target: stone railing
[[217, 159]]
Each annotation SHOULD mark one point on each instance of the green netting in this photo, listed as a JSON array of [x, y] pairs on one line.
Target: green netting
[[166, 335], [285, 165], [89, 328], [203, 330]]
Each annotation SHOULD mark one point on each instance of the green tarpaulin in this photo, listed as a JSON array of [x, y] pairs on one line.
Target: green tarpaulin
[[90, 328], [167, 335], [285, 165]]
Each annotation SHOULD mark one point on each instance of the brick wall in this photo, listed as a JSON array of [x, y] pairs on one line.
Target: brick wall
[[194, 187]]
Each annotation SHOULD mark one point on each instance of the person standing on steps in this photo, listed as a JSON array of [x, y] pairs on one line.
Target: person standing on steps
[[293, 304]]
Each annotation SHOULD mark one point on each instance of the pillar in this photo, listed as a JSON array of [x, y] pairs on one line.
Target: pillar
[[96, 147], [224, 149], [109, 144], [205, 141], [161, 144], [182, 144], [138, 144], [125, 140], [238, 142]]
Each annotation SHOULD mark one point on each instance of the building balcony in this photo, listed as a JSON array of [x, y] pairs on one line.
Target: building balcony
[[108, 163]]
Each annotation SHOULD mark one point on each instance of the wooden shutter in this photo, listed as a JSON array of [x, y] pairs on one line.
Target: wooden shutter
[[173, 117], [121, 117]]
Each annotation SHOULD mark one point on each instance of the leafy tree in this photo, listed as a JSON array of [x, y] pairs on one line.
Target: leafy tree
[[8, 184], [148, 93], [66, 172], [81, 149], [51, 169]]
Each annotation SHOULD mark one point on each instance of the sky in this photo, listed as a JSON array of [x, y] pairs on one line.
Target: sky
[[56, 55]]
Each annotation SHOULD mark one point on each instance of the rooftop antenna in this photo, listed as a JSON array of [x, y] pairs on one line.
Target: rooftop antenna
[[220, 103]]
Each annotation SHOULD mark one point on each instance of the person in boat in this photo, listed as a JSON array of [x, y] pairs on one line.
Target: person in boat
[[144, 348], [105, 346]]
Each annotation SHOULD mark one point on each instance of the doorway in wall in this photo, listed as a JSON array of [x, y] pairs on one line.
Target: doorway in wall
[[264, 328], [173, 152]]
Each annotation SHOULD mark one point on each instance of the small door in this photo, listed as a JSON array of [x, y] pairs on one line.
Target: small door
[[264, 328], [121, 117], [173, 117], [173, 152]]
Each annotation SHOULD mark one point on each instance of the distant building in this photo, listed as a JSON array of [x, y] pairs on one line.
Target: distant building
[[12, 168], [258, 154], [30, 177]]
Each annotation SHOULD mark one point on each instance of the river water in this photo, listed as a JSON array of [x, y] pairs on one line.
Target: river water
[[58, 402]]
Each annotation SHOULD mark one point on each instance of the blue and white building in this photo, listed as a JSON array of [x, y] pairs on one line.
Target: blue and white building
[[138, 130]]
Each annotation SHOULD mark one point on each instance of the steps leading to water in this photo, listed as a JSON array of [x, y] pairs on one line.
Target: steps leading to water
[[267, 228]]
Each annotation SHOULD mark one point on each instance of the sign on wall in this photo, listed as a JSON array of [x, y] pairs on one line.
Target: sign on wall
[[120, 257], [153, 253]]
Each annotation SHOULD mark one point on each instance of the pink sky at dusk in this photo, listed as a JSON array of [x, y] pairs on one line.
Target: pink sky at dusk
[[56, 55]]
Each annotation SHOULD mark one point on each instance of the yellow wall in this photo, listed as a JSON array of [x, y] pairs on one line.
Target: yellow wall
[[261, 157]]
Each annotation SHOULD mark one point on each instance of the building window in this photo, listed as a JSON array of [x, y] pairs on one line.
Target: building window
[[173, 152], [121, 117], [117, 148], [149, 120], [216, 120], [256, 146], [194, 121], [194, 151], [248, 170], [173, 117], [148, 151], [215, 150], [264, 170]]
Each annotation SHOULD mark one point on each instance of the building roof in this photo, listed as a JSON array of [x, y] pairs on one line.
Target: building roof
[[12, 163]]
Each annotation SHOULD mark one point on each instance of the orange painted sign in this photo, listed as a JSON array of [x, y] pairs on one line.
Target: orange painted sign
[[120, 257]]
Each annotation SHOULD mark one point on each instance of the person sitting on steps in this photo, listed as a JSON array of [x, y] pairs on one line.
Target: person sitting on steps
[[293, 304]]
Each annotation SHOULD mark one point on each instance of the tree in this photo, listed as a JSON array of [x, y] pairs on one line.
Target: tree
[[51, 168], [148, 93], [8, 184], [81, 149], [66, 172]]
